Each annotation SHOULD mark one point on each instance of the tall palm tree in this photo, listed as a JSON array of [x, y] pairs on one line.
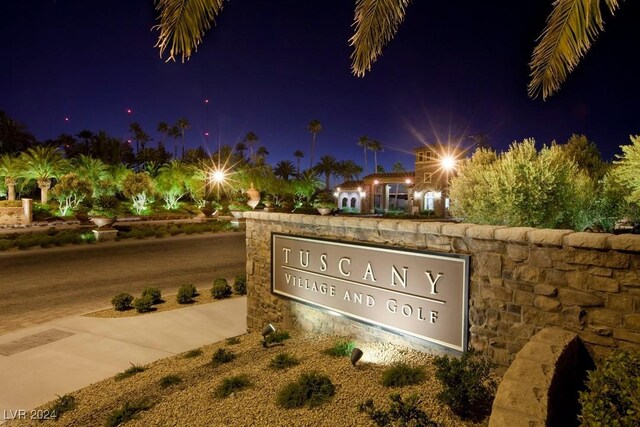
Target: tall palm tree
[[174, 132], [183, 124], [261, 154], [284, 169], [241, 148], [314, 127], [14, 137], [298, 154], [375, 146], [349, 170], [571, 28], [364, 142], [328, 165], [43, 164], [251, 138], [163, 128], [10, 169], [139, 136]]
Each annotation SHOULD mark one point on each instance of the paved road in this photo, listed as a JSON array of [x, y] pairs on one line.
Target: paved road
[[44, 284]]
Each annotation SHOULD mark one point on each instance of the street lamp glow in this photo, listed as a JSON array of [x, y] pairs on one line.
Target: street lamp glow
[[218, 176], [448, 163]]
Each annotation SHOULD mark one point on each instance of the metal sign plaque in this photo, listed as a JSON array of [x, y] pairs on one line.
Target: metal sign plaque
[[418, 293]]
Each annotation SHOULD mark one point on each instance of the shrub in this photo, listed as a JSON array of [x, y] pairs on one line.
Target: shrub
[[143, 304], [240, 284], [401, 374], [169, 380], [231, 385], [129, 372], [276, 337], [401, 413], [467, 385], [154, 293], [233, 341], [186, 293], [311, 389], [193, 353], [221, 356], [613, 392], [127, 412], [122, 302], [283, 361], [340, 349], [62, 404], [221, 288]]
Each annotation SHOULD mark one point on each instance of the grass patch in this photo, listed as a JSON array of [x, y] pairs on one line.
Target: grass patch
[[193, 353], [63, 404], [129, 372], [169, 380], [233, 341], [127, 412], [221, 356], [230, 385], [277, 337], [283, 361], [340, 349], [401, 412], [311, 389], [401, 374]]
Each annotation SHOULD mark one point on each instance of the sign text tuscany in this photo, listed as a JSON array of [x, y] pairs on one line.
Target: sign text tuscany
[[416, 293]]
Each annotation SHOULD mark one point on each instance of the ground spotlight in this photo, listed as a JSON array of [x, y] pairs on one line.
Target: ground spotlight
[[268, 330], [356, 354]]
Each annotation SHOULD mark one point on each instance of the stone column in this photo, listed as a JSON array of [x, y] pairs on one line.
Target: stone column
[[27, 207], [11, 188]]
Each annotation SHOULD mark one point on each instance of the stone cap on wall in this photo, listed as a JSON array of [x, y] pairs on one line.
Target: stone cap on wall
[[602, 241]]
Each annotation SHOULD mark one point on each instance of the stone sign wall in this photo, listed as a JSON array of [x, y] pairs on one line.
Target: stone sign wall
[[17, 215], [521, 280]]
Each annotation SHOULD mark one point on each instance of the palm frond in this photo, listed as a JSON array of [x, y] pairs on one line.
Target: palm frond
[[376, 23], [182, 25], [571, 28]]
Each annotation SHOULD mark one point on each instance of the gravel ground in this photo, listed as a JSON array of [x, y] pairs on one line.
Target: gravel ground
[[192, 402]]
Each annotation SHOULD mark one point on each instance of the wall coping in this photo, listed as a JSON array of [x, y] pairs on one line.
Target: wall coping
[[518, 235]]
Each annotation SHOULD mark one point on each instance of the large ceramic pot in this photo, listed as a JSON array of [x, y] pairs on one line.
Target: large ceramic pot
[[103, 221], [236, 214], [324, 211], [254, 197]]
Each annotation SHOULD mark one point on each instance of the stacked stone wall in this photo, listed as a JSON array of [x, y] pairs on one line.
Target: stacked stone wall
[[522, 280]]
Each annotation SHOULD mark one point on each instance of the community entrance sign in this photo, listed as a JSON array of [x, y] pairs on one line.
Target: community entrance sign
[[421, 294]]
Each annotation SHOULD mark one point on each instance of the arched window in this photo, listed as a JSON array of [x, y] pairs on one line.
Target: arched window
[[353, 202], [344, 202]]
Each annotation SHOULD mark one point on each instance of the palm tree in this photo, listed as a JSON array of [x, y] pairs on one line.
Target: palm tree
[[174, 132], [241, 148], [349, 170], [375, 146], [10, 170], [298, 155], [183, 124], [43, 164], [328, 165], [284, 169], [314, 127], [364, 142], [139, 136], [251, 138], [92, 170], [571, 28], [14, 137], [163, 128], [261, 154]]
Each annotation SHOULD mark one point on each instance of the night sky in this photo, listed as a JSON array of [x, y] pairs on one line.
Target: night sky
[[454, 69]]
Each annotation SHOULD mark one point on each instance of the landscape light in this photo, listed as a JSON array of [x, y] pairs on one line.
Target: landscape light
[[448, 163], [356, 354], [268, 330]]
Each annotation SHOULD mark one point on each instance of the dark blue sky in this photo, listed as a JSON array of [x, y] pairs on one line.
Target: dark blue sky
[[453, 69]]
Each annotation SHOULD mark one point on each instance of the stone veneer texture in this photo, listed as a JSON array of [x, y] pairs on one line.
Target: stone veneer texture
[[521, 280]]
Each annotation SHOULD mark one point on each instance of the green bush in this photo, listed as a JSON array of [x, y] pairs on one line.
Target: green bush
[[143, 304], [311, 389], [62, 404], [169, 380], [193, 353], [401, 413], [221, 289], [221, 356], [401, 374], [468, 387], [277, 337], [612, 397], [129, 372], [231, 385], [122, 302], [233, 341], [340, 349], [127, 412], [240, 284], [186, 293], [283, 361], [154, 293]]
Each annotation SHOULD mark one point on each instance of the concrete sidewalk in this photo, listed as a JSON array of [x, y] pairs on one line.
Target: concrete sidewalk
[[61, 356]]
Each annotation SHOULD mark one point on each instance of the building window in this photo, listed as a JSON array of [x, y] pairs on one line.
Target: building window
[[353, 202], [429, 198], [344, 202], [427, 177], [424, 156]]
